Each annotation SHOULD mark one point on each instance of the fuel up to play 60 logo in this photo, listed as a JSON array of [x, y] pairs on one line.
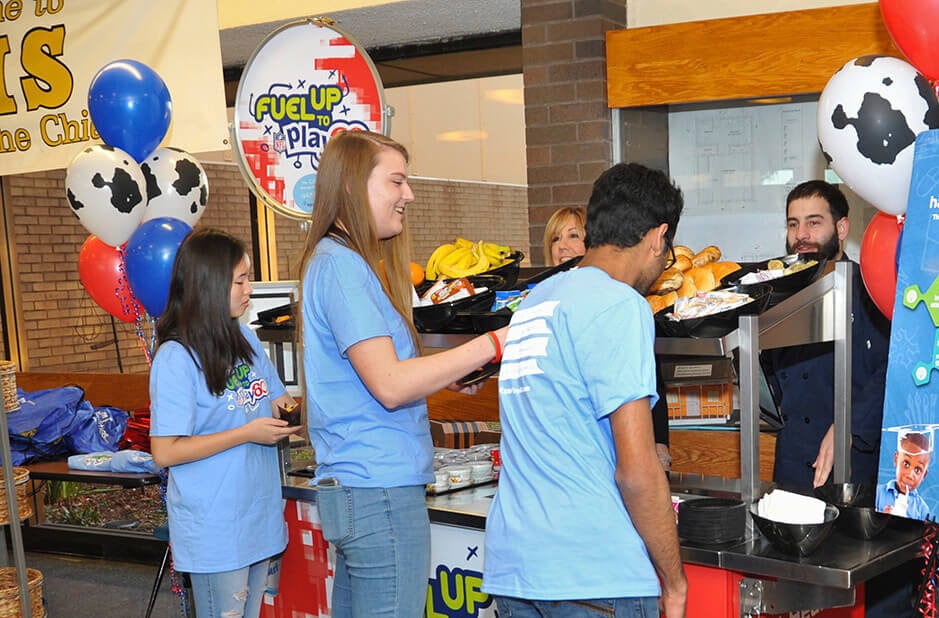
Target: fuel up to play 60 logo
[[454, 589], [306, 82]]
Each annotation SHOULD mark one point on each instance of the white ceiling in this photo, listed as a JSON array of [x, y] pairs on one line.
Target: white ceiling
[[392, 24]]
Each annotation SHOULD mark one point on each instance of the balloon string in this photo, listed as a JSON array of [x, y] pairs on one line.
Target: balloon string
[[146, 335]]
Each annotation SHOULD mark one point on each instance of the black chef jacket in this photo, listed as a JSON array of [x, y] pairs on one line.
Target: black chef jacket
[[802, 379]]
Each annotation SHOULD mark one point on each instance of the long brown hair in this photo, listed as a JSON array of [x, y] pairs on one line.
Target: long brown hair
[[198, 308], [341, 209]]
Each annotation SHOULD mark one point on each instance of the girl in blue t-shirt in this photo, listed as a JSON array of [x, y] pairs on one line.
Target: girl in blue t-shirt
[[212, 388], [366, 381]]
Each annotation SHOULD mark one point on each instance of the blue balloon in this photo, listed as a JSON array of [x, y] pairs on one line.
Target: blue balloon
[[130, 107], [149, 259]]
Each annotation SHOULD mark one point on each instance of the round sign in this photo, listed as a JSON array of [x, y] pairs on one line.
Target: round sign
[[306, 82]]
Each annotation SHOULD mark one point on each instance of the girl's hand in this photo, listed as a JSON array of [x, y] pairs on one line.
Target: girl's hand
[[472, 389], [269, 430]]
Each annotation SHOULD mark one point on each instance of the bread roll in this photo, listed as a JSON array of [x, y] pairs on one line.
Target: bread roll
[[705, 256], [661, 301], [683, 250], [669, 280], [703, 278], [687, 289], [722, 269], [682, 263]]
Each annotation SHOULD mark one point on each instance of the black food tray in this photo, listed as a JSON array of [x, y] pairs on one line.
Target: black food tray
[[549, 272], [782, 287], [450, 317], [717, 324], [267, 317]]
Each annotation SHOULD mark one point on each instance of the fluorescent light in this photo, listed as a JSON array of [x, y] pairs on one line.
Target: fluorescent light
[[462, 136]]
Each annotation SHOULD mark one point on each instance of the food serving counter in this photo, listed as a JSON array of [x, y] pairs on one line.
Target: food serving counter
[[747, 578], [740, 578]]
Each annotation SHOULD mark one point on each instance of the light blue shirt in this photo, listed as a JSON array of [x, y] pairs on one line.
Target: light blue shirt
[[579, 347], [357, 440], [225, 511], [916, 507]]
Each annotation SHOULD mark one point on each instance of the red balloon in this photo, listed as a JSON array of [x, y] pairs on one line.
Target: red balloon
[[912, 26], [879, 260], [102, 273]]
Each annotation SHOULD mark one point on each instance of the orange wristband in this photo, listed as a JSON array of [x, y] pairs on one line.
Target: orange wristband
[[495, 343]]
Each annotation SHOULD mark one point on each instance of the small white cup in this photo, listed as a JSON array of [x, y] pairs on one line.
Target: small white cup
[[480, 471], [459, 475]]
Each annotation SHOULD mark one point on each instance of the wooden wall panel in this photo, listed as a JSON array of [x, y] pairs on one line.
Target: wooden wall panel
[[776, 54]]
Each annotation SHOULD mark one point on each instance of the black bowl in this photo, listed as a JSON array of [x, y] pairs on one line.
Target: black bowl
[[795, 539], [858, 518], [508, 271], [714, 325], [436, 318], [782, 287]]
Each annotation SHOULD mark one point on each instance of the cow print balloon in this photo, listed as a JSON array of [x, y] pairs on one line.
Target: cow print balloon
[[177, 186], [105, 188], [869, 115]]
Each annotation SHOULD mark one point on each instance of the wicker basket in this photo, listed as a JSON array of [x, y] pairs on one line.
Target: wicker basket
[[8, 384], [10, 593], [23, 503]]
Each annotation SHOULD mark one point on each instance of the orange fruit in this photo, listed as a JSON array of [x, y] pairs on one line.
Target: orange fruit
[[417, 273]]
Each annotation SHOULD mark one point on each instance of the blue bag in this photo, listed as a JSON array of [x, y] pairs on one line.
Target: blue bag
[[59, 421], [38, 429]]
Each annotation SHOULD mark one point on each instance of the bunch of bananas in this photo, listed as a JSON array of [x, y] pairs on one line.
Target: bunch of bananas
[[463, 257]]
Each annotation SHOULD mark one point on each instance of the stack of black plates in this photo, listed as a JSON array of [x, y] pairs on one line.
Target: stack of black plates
[[710, 521]]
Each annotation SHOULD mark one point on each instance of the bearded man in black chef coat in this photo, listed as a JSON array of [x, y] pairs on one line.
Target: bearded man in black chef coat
[[802, 379]]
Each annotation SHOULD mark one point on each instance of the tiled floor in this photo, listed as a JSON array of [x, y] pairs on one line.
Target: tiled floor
[[88, 587]]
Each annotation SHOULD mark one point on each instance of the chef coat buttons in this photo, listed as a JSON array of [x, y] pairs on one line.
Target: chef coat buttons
[[807, 420], [805, 375]]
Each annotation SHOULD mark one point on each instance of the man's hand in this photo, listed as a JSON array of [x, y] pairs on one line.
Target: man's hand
[[672, 602], [826, 458]]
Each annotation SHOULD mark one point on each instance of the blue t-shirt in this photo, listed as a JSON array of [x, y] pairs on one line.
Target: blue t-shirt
[[225, 511], [916, 507], [579, 347], [357, 440]]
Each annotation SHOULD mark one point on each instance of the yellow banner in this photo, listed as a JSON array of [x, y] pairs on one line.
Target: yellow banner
[[50, 50]]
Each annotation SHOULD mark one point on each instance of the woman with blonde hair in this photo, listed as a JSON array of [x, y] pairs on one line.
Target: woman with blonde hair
[[366, 380], [564, 235]]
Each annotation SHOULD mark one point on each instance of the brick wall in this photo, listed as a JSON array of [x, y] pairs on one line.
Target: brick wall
[[568, 132], [66, 331]]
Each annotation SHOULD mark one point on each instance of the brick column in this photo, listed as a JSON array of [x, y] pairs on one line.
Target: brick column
[[567, 122]]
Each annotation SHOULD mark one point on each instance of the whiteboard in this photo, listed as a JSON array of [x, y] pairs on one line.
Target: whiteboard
[[736, 165]]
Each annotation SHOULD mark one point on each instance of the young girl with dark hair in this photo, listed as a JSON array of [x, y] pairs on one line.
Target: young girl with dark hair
[[213, 390]]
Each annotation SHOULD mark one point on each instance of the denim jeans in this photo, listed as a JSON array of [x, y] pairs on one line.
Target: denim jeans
[[230, 594], [633, 607], [382, 542]]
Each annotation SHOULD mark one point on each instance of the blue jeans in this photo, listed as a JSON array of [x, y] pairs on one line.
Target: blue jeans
[[634, 607], [382, 541], [230, 594]]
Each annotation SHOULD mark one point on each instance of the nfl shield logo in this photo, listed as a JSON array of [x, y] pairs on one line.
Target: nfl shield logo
[[280, 144]]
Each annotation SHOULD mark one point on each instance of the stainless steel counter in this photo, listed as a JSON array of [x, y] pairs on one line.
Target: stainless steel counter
[[841, 563]]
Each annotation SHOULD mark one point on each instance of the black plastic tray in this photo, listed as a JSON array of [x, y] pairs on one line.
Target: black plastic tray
[[717, 324], [437, 318], [549, 272], [782, 287], [267, 317]]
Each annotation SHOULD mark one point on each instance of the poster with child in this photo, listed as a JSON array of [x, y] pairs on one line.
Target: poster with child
[[904, 487]]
